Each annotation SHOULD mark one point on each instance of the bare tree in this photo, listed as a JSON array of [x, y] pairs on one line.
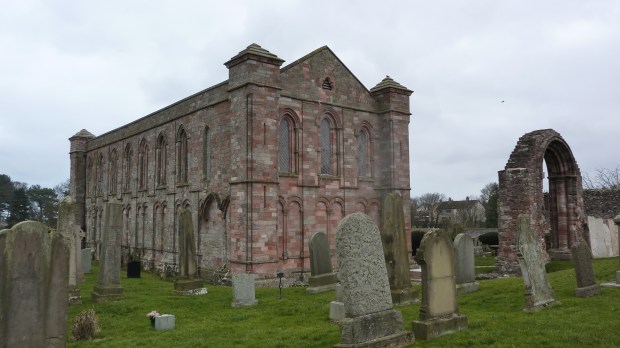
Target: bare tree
[[428, 204], [603, 179]]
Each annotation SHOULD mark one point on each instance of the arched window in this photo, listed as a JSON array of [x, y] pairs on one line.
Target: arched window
[[90, 182], [284, 146], [160, 160], [327, 136], [113, 171], [143, 165], [127, 168], [182, 164], [206, 153], [100, 174], [364, 149]]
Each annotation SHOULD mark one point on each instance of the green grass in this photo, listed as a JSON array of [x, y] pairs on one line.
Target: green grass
[[495, 315], [484, 264]]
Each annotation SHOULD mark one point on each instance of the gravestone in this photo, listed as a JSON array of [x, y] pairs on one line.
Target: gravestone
[[394, 239], [165, 322], [439, 312], [86, 260], [582, 259], [538, 292], [34, 278], [336, 307], [370, 318], [243, 290], [108, 287], [617, 283], [465, 268], [322, 278], [187, 281], [134, 269], [68, 227]]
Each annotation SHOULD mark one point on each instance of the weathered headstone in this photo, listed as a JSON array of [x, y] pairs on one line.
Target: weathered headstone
[[322, 278], [108, 287], [86, 260], [370, 317], [34, 274], [439, 312], [187, 281], [244, 293], [165, 322], [617, 283], [68, 227], [394, 239], [465, 268], [336, 307], [582, 259], [538, 292]]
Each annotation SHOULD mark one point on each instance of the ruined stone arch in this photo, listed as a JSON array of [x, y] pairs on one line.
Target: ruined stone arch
[[557, 216]]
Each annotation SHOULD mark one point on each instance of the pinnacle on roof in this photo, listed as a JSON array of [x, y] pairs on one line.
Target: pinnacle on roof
[[389, 83], [255, 51], [83, 134]]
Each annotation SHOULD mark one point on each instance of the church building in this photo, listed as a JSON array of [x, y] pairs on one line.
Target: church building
[[263, 161]]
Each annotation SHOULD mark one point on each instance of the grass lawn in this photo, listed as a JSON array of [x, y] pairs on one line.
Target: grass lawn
[[495, 315]]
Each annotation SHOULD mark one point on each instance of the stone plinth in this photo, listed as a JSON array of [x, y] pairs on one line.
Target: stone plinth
[[429, 329], [187, 284], [165, 322]]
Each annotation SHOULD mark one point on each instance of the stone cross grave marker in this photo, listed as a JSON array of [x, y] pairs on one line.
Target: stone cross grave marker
[[108, 287], [369, 312], [244, 293], [394, 239], [68, 227], [187, 280], [322, 278], [465, 268], [582, 259], [538, 292], [33, 286], [439, 312]]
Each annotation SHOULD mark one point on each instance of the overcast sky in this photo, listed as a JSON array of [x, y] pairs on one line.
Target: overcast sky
[[483, 72]]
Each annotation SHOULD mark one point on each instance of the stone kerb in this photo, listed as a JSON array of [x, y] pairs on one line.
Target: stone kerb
[[439, 310], [108, 287], [34, 278], [582, 259], [244, 290], [465, 268], [370, 319], [322, 278], [538, 292], [394, 239]]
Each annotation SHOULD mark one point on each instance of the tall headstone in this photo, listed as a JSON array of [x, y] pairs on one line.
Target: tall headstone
[[322, 278], [617, 283], [34, 274], [187, 279], [108, 287], [439, 312], [538, 292], [244, 291], [582, 259], [370, 317], [86, 260], [68, 227], [465, 268], [394, 239]]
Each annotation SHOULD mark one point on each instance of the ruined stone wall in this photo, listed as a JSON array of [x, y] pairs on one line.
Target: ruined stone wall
[[602, 203], [249, 217]]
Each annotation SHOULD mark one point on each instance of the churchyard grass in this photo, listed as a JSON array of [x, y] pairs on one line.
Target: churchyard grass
[[495, 316]]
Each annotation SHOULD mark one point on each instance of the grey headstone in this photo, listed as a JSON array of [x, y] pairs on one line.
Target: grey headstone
[[86, 260], [336, 308], [538, 292], [321, 276], [68, 227], [243, 290], [439, 312], [465, 268], [365, 286], [108, 285], [394, 240], [33, 286], [582, 259]]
